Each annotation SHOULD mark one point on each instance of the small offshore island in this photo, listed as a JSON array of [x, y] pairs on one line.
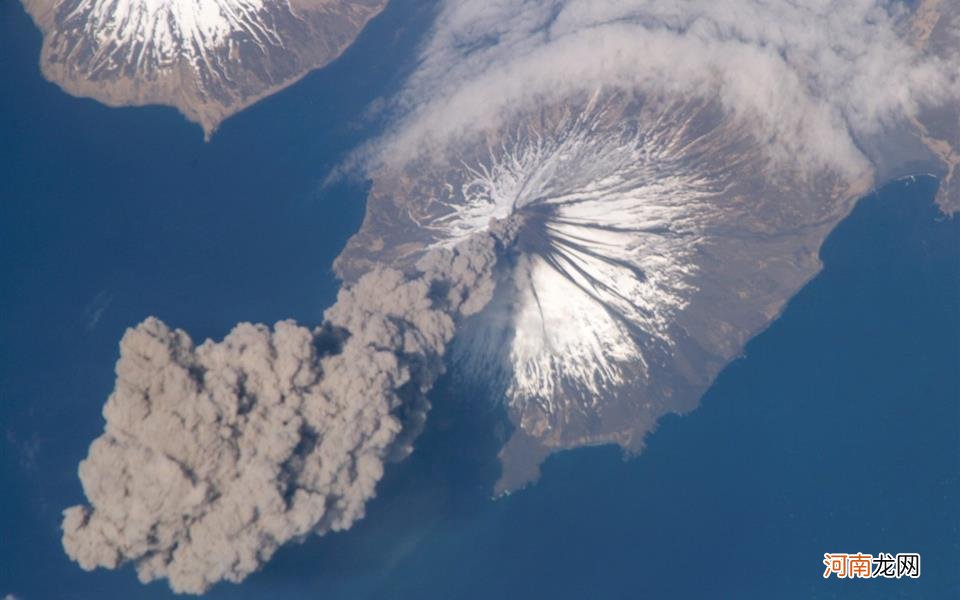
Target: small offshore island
[[209, 59]]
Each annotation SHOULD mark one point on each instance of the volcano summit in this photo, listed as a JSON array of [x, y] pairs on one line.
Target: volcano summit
[[651, 247], [672, 173], [208, 58]]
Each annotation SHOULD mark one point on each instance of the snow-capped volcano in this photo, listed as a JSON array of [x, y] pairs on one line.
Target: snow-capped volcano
[[652, 243], [208, 58], [603, 259]]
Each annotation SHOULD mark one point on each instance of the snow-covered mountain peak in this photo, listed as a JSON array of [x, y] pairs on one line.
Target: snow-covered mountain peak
[[208, 58]]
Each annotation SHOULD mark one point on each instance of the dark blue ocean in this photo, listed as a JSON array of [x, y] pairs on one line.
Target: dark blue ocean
[[838, 431]]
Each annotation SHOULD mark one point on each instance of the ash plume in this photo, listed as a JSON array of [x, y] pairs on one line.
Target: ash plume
[[214, 455]]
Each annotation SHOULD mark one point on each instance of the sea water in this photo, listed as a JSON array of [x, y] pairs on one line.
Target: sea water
[[837, 431]]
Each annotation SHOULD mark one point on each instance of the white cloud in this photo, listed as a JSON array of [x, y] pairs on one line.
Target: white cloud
[[811, 78]]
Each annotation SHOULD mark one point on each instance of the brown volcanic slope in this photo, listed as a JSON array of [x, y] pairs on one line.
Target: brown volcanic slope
[[208, 58], [653, 246], [657, 237]]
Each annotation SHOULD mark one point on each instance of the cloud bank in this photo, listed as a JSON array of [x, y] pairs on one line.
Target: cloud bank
[[215, 455], [811, 79]]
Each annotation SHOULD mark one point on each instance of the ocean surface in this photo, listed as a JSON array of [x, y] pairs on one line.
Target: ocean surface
[[838, 431]]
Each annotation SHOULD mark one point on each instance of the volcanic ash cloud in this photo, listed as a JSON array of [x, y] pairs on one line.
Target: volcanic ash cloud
[[215, 455]]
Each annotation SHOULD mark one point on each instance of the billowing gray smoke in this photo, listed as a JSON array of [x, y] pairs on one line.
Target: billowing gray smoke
[[215, 455]]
